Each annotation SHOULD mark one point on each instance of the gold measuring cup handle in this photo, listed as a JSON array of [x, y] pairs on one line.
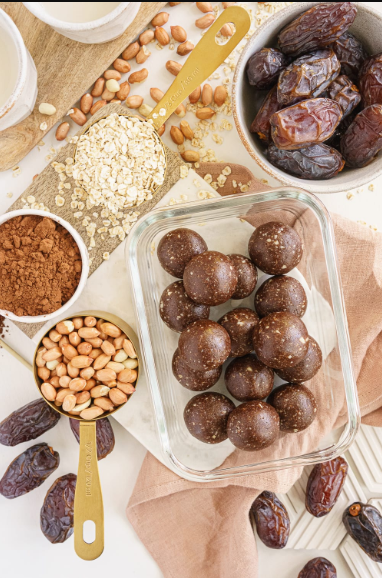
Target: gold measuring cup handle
[[88, 502], [202, 62]]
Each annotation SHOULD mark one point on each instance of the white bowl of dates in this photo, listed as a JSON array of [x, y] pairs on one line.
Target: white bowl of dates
[[307, 95]]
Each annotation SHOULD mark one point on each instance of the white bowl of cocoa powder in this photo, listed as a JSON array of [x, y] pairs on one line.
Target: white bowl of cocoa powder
[[44, 265]]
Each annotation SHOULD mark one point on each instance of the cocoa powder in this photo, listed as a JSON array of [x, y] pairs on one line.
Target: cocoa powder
[[40, 266]]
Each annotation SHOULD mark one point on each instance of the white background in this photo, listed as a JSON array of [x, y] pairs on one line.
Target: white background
[[23, 549]]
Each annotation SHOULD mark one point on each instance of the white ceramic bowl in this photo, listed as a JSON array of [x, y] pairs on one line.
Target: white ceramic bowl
[[22, 100], [367, 27], [85, 265], [95, 32]]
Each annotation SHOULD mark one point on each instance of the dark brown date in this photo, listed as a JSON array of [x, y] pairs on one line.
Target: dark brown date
[[306, 123], [261, 125], [105, 436], [351, 54], [28, 423], [318, 27], [308, 76], [324, 486], [264, 67], [57, 512], [28, 471], [343, 91], [370, 84], [316, 162], [272, 520], [318, 568], [364, 524], [363, 139]]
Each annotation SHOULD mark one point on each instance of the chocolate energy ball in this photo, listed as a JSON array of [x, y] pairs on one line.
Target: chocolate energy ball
[[280, 340], [193, 380], [204, 345], [281, 293], [177, 248], [307, 368], [206, 417], [210, 278], [275, 248], [246, 274], [295, 405], [253, 426], [240, 324], [247, 379], [177, 310]]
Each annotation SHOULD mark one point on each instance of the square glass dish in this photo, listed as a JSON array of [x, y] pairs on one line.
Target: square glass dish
[[223, 223]]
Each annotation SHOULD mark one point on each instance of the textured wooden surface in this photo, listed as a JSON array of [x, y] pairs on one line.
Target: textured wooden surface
[[66, 69]]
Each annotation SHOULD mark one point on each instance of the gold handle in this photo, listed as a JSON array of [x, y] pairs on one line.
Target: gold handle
[[202, 62], [88, 503]]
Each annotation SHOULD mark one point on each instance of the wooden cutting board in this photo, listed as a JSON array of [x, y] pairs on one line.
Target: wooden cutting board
[[66, 69]]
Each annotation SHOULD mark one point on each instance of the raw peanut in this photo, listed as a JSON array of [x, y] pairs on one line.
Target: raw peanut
[[112, 383], [54, 336], [108, 348], [62, 131], [53, 373], [103, 335], [96, 342], [69, 351], [161, 130], [69, 403], [48, 391], [51, 365], [131, 51], [61, 369], [134, 101], [82, 397], [138, 76], [227, 4], [48, 343], [78, 116], [86, 103], [160, 19], [178, 33], [64, 381], [117, 396], [46, 108], [204, 113], [39, 360], [142, 55], [107, 95], [90, 384], [72, 371], [205, 21], [63, 341], [145, 110], [74, 339], [195, 95], [97, 105], [99, 391], [187, 131], [65, 327], [104, 402], [173, 67], [81, 361], [146, 37], [127, 388], [120, 356], [78, 322], [207, 94], [88, 332], [77, 384], [174, 3], [101, 361], [98, 87], [57, 403], [115, 101], [99, 323], [156, 94], [122, 66], [84, 348], [95, 353], [113, 74], [55, 381], [180, 111], [106, 375], [124, 90], [129, 348], [91, 413], [127, 376], [185, 48], [80, 408], [43, 373], [62, 393], [191, 156], [115, 366], [227, 30], [111, 329], [130, 363], [112, 85], [176, 135], [87, 373], [220, 95], [90, 321], [52, 354], [162, 36], [204, 7]]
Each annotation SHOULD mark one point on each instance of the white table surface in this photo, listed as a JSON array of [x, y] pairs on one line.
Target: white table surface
[[23, 549]]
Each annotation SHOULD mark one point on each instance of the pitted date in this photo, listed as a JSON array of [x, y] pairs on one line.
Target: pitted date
[[306, 123], [272, 520], [308, 76], [105, 436], [343, 91], [28, 471], [316, 162], [364, 524], [363, 139], [351, 54], [264, 67], [370, 84], [324, 486], [28, 423], [318, 27], [261, 124], [318, 568], [57, 512]]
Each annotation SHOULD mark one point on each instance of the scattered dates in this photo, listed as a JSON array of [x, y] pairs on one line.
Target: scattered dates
[[57, 512], [105, 436], [324, 486], [343, 91], [272, 520], [363, 139], [370, 83], [29, 470], [351, 54], [262, 125], [364, 524], [28, 423], [264, 67], [318, 568]]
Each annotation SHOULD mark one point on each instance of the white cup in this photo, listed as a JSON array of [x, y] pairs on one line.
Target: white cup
[[107, 28], [18, 85]]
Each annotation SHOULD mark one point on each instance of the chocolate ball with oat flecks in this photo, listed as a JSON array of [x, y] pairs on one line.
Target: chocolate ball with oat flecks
[[204, 345], [247, 276], [240, 324], [193, 380], [275, 248], [210, 278], [281, 293], [177, 248], [307, 368], [253, 426], [280, 340], [295, 405], [177, 310], [246, 379], [206, 417]]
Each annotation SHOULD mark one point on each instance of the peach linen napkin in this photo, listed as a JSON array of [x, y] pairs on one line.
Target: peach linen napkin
[[203, 530]]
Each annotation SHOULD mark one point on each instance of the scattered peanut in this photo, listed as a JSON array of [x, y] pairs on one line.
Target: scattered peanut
[[97, 105], [78, 116], [207, 94], [227, 4], [62, 131], [138, 76], [220, 95], [161, 130], [204, 113], [205, 21], [174, 3], [204, 6], [124, 89], [134, 101], [178, 33], [122, 66], [46, 108], [146, 37], [195, 95], [145, 110], [173, 67], [98, 87], [142, 55], [112, 85], [185, 48], [162, 36], [107, 95], [156, 94], [131, 51], [160, 19], [112, 74], [191, 156], [227, 30], [115, 101], [176, 135]]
